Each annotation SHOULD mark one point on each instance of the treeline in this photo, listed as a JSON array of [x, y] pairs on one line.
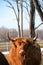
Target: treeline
[[4, 32], [14, 33]]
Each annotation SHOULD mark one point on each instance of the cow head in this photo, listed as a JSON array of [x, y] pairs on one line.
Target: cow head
[[27, 50]]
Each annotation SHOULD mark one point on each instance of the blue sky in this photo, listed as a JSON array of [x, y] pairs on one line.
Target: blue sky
[[8, 19]]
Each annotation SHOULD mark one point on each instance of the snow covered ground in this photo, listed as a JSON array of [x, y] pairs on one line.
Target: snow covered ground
[[5, 52], [41, 49]]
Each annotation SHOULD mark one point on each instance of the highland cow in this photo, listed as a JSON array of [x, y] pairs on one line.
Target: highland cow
[[3, 60], [24, 51]]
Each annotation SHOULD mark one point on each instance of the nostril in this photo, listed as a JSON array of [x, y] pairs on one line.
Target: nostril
[[22, 52]]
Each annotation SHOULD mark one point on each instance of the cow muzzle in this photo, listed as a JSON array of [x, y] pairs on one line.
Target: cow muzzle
[[22, 52]]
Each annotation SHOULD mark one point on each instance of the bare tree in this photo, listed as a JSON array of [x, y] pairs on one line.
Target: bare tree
[[32, 19], [19, 33], [27, 7], [17, 17], [38, 7], [33, 4], [21, 17], [32, 15]]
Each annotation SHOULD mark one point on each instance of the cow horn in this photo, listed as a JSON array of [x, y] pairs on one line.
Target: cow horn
[[9, 37], [34, 39]]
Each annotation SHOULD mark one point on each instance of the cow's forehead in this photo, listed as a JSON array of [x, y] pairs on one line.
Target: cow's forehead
[[20, 39], [23, 39]]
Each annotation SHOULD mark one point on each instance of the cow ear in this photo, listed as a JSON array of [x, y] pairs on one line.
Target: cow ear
[[34, 39]]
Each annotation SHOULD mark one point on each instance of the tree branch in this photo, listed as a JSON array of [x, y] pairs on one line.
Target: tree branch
[[11, 6], [37, 6], [38, 25], [26, 3], [27, 9]]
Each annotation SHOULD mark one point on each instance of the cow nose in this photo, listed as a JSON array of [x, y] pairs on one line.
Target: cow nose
[[22, 52]]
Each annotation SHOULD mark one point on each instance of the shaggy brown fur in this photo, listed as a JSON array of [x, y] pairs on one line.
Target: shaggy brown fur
[[3, 60], [24, 52]]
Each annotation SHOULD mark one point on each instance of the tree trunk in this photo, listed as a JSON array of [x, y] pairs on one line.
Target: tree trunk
[[32, 19], [37, 6], [18, 20], [21, 12], [19, 34]]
